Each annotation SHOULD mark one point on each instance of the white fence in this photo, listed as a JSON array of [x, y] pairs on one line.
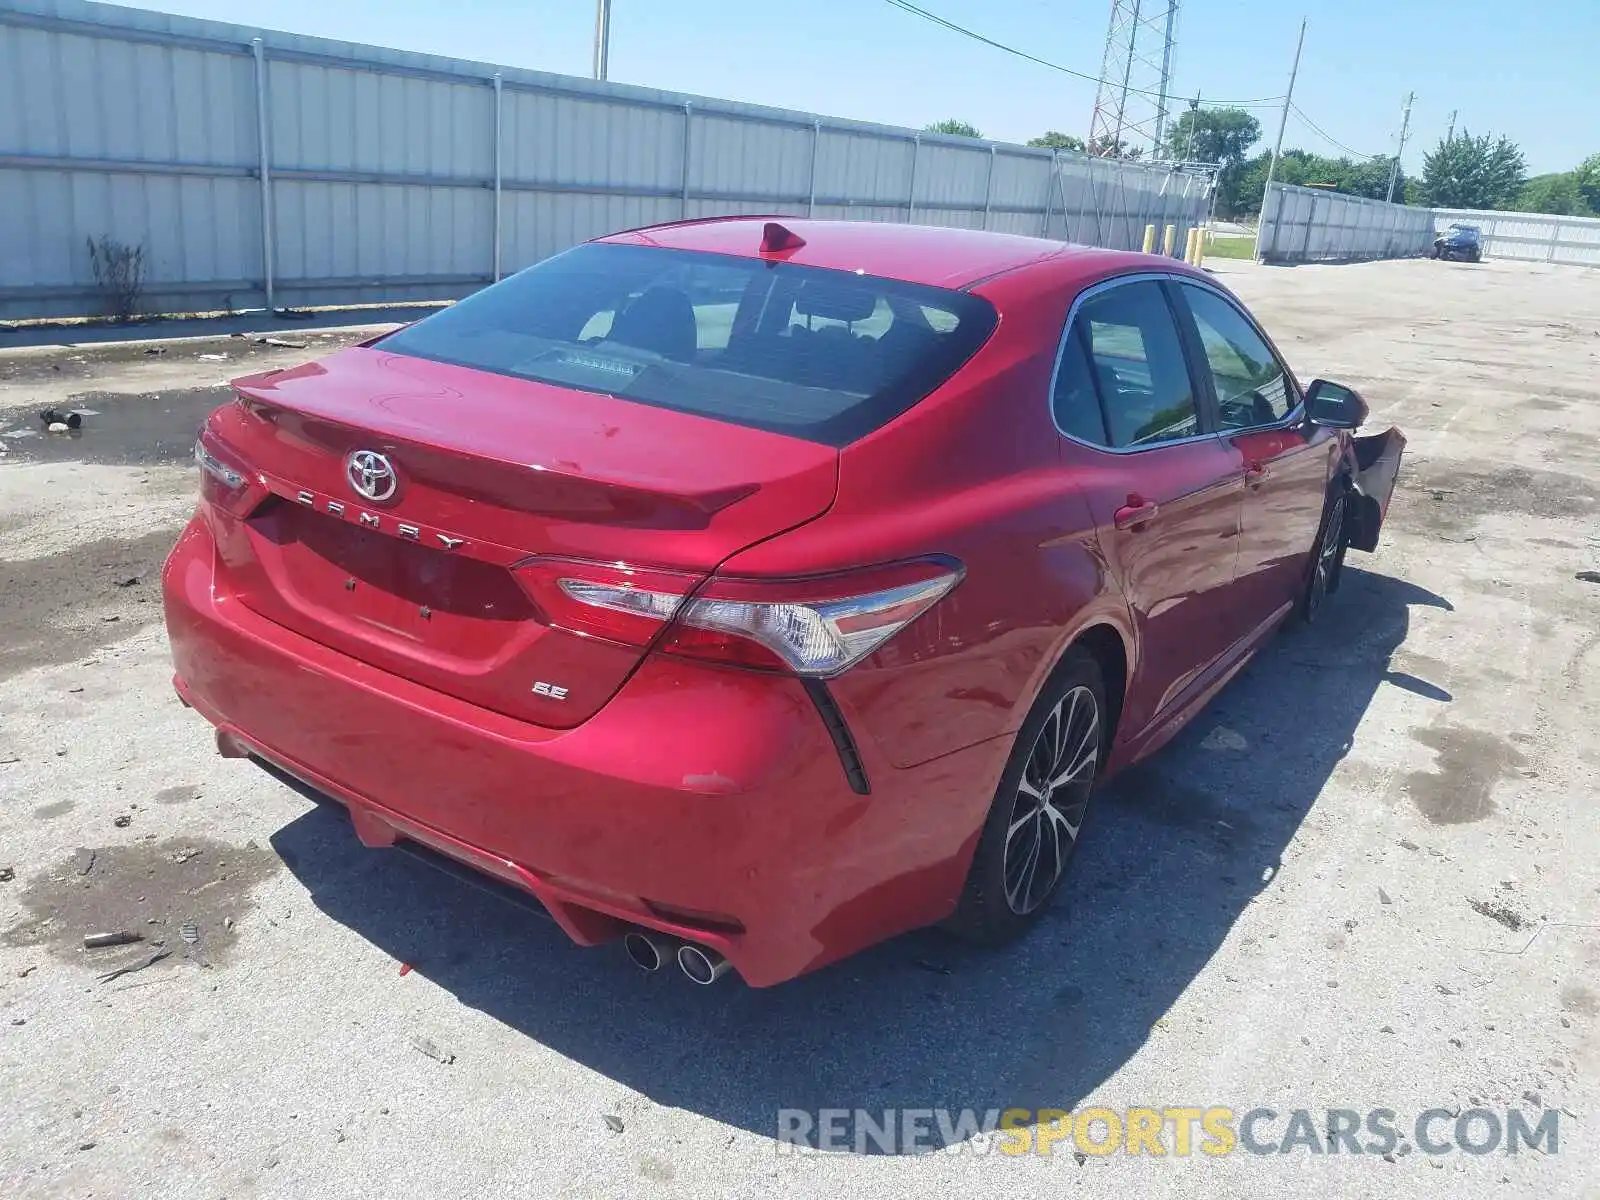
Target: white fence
[[267, 168], [1531, 237], [1301, 224]]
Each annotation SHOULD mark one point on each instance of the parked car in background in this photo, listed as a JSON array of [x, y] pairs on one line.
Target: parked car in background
[[754, 590], [1459, 241]]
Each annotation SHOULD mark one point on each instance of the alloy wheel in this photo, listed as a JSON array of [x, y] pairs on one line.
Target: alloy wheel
[[1052, 797]]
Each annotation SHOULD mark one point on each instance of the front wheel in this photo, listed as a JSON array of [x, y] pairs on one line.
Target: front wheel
[[1038, 811], [1327, 555]]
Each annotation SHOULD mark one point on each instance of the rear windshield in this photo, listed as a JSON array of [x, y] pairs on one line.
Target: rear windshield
[[819, 354]]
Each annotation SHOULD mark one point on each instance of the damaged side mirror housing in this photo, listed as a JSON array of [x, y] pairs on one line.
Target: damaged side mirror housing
[[1335, 406]]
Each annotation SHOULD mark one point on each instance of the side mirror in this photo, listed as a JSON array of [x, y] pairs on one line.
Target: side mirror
[[1335, 406]]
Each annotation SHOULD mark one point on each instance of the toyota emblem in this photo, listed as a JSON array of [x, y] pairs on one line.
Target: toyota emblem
[[371, 474]]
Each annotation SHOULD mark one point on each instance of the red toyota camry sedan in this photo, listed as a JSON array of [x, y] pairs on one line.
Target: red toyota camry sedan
[[753, 590]]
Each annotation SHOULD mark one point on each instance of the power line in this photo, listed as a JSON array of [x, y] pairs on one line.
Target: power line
[[1315, 128], [914, 10]]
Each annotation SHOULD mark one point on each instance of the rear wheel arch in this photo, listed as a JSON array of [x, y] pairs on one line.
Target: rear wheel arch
[[1109, 647]]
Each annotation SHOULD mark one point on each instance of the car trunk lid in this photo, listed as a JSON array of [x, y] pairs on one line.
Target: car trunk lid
[[487, 471]]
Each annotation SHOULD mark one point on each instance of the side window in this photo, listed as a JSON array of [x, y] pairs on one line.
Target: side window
[[1138, 365], [1252, 387], [1076, 407]]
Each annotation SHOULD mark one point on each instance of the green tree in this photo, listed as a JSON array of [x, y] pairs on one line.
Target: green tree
[[1557, 193], [1052, 140], [1218, 135], [1473, 172], [1112, 148], [1369, 177], [959, 128], [1587, 176]]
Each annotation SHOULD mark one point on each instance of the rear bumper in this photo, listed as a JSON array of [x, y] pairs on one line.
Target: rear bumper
[[708, 804]]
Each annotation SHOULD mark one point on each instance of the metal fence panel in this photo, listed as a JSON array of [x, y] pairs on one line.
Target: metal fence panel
[[855, 167], [1311, 225], [570, 142], [399, 176], [331, 118], [1530, 237]]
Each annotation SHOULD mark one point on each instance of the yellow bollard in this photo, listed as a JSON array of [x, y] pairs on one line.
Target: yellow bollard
[[1168, 239], [1199, 247], [1149, 238], [1188, 246]]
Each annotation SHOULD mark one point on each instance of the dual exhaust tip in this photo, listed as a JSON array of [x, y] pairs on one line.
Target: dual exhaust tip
[[651, 951]]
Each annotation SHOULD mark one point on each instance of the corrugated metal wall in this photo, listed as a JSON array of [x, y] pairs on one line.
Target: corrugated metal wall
[[400, 176], [1531, 237], [1311, 225]]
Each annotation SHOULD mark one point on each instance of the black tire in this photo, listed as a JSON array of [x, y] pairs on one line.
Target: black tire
[[996, 904], [1326, 562], [1434, 253]]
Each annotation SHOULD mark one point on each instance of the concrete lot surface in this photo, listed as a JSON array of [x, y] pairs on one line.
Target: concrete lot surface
[[1368, 877]]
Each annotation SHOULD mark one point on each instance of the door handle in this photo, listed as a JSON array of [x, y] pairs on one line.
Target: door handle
[[1134, 516]]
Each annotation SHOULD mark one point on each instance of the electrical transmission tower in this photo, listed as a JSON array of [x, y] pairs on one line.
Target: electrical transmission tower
[[1130, 109]]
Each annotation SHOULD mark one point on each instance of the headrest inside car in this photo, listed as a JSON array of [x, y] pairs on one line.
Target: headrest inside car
[[835, 302]]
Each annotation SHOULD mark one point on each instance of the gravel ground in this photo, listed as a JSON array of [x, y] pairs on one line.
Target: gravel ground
[[1366, 878]]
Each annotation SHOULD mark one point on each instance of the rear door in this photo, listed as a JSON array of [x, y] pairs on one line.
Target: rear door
[[1165, 493], [1285, 461]]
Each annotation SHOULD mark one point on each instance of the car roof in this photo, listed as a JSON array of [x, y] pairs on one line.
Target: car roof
[[943, 257]]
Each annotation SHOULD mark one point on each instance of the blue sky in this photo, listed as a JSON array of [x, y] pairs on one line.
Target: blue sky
[[1528, 72]]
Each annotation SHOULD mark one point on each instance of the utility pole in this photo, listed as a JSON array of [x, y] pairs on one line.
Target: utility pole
[[1277, 146], [1449, 134], [1194, 119], [602, 37], [1405, 127]]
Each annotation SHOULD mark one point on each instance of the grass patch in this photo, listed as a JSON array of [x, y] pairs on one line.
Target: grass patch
[[1230, 247]]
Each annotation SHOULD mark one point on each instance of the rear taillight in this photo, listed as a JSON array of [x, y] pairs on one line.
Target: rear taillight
[[221, 483], [819, 626]]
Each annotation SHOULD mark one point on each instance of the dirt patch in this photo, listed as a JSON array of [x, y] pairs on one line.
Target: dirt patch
[[1501, 914], [155, 889], [1450, 500], [49, 812], [1579, 999], [119, 427], [181, 794], [61, 607], [1469, 763]]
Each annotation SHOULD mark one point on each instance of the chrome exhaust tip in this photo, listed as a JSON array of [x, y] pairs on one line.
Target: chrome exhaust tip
[[702, 965], [648, 951]]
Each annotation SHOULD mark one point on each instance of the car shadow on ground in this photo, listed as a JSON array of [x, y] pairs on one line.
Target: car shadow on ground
[[1174, 851]]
